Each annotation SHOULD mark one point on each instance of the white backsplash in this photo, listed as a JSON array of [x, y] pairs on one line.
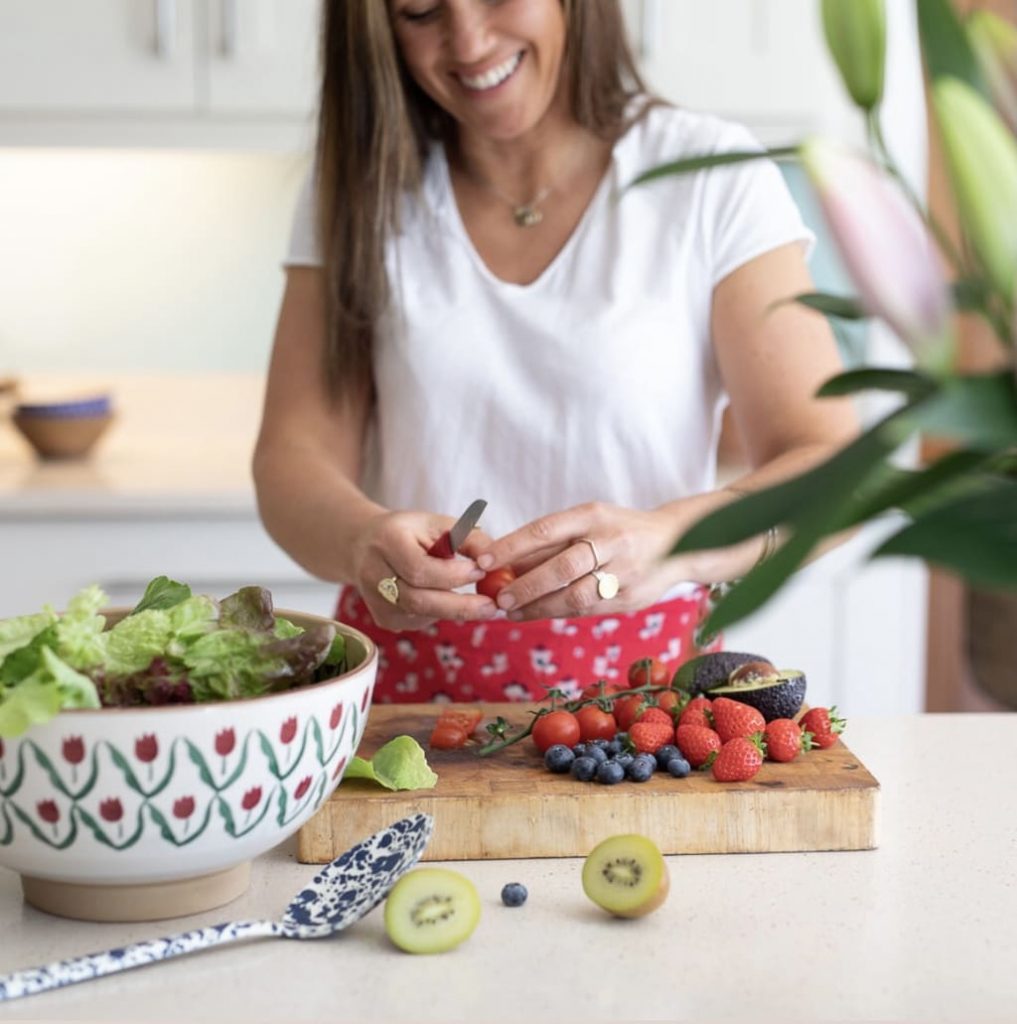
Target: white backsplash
[[141, 260]]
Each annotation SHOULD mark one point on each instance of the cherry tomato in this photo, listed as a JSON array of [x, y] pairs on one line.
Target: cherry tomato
[[671, 699], [466, 719], [602, 688], [448, 736], [595, 723], [649, 670], [555, 727], [627, 710], [496, 580]]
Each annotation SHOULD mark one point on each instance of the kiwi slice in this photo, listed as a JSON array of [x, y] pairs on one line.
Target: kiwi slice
[[431, 910], [626, 876]]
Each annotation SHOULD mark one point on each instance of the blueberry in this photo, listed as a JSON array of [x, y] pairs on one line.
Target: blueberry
[[602, 744], [679, 767], [598, 754], [583, 769], [666, 752], [642, 768], [610, 772], [558, 759], [580, 749], [624, 759], [615, 747], [514, 894]]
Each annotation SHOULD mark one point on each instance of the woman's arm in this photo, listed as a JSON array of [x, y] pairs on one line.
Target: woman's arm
[[772, 361], [306, 466]]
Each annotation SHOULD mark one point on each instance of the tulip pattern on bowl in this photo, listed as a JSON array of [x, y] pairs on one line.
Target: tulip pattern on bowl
[[149, 794]]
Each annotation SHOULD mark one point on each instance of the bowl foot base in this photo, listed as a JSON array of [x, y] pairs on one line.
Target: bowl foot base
[[144, 902]]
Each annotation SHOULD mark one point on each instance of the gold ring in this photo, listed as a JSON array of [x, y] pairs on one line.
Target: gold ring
[[607, 584], [597, 563], [389, 589]]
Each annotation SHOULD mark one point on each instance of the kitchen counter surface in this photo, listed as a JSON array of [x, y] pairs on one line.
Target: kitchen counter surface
[[922, 929], [178, 444]]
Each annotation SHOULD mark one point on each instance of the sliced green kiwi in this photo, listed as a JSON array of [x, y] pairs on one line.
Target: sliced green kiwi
[[626, 876], [776, 696], [709, 670], [431, 910]]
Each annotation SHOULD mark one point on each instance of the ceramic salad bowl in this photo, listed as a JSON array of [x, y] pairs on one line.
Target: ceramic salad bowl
[[138, 813]]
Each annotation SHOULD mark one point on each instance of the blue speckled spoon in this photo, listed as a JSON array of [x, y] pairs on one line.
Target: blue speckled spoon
[[344, 891]]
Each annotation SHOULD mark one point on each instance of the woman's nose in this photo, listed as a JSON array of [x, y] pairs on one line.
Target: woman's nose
[[468, 30]]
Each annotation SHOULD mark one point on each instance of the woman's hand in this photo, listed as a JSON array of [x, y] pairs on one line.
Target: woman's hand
[[555, 563], [394, 544]]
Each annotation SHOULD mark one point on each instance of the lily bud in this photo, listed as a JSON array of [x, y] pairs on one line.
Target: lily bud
[[856, 37], [982, 157], [995, 42], [886, 249]]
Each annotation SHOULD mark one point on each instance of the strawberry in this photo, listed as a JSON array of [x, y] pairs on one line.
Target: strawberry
[[785, 740], [649, 736], [824, 724], [697, 712], [655, 714], [697, 743], [739, 759], [628, 709], [731, 718]]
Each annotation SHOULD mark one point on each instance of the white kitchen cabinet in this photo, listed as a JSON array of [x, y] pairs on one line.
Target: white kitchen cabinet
[[762, 63], [158, 72]]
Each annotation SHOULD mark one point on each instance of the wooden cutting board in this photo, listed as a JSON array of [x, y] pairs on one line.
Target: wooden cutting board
[[508, 805]]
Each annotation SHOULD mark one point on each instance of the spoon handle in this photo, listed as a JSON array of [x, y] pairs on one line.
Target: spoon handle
[[97, 965]]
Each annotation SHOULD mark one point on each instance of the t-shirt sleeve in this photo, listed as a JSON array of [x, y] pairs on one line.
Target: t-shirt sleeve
[[303, 249], [749, 209]]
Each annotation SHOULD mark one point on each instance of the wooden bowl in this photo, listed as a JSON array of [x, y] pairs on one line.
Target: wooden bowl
[[62, 437]]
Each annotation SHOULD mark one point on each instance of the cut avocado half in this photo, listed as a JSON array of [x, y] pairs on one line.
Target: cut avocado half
[[709, 670], [778, 696]]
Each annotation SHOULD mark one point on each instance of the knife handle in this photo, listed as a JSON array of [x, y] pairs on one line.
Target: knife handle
[[442, 547]]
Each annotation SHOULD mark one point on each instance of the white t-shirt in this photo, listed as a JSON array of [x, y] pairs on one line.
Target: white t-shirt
[[597, 381]]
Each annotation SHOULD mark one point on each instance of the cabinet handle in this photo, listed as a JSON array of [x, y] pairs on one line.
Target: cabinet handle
[[165, 28], [230, 27], [649, 29]]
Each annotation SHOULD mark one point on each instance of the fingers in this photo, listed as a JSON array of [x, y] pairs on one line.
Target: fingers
[[570, 566], [543, 536]]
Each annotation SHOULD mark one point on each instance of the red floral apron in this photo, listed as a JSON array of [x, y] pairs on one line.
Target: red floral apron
[[499, 660]]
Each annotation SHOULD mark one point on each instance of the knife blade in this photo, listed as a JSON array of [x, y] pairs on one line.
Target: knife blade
[[452, 539]]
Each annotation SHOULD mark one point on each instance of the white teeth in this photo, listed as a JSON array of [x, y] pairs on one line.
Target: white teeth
[[489, 79]]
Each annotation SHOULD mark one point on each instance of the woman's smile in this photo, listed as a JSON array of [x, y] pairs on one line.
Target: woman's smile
[[493, 78]]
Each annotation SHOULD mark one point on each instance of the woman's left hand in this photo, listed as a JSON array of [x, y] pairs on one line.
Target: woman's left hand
[[555, 558]]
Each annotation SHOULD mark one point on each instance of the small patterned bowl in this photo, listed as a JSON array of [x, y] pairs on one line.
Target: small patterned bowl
[[130, 814]]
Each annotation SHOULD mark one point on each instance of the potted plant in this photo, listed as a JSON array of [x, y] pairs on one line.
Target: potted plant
[[961, 508]]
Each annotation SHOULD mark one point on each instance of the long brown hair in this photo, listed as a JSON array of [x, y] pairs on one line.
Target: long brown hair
[[375, 126]]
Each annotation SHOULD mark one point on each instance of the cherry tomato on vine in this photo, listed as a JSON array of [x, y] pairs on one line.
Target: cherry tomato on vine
[[602, 688], [628, 709], [495, 581], [649, 671], [595, 724], [555, 727]]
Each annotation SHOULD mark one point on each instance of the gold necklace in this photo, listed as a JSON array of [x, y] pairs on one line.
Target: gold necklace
[[526, 215]]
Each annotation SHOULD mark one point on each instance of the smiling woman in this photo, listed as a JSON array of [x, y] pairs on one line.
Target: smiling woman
[[477, 305]]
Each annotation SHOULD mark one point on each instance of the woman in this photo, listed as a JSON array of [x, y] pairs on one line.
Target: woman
[[476, 307]]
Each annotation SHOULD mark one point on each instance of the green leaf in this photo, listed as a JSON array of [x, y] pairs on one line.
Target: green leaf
[[842, 307], [945, 44], [974, 536], [914, 385], [978, 410], [161, 594], [399, 764], [706, 161]]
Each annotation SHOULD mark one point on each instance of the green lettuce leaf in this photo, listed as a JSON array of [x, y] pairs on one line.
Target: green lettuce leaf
[[399, 764], [19, 632], [52, 686], [161, 594], [79, 629]]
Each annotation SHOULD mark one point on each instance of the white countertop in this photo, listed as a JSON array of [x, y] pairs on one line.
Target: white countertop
[[922, 929], [180, 443]]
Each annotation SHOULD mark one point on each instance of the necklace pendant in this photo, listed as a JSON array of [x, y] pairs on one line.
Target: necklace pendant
[[527, 216]]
